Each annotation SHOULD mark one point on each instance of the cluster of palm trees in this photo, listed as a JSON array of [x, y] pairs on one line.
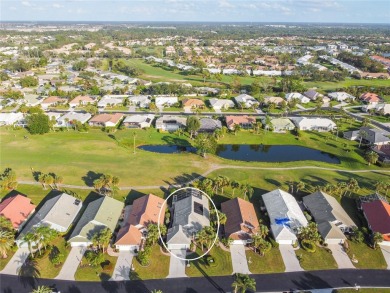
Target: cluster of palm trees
[[39, 237], [106, 184], [206, 237], [259, 241], [101, 240], [152, 237], [242, 283], [8, 180], [50, 179], [217, 185]]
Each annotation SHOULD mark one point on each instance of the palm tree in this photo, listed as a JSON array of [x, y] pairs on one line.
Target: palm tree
[[6, 242], [222, 218], [300, 186], [234, 184], [201, 238], [247, 189], [377, 238], [46, 235], [94, 258], [236, 128], [49, 180], [30, 238], [242, 283], [371, 157], [225, 182], [42, 289], [102, 238], [352, 185], [341, 187], [362, 134], [263, 231], [98, 184], [218, 182], [58, 180], [41, 179]]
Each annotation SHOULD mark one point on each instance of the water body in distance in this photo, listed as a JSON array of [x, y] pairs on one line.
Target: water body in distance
[[254, 153]]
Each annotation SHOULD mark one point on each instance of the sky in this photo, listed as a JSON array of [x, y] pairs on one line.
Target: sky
[[336, 11]]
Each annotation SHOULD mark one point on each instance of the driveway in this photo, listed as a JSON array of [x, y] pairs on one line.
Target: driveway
[[123, 265], [16, 261], [71, 264], [239, 261], [386, 253], [289, 258], [177, 267], [341, 257]]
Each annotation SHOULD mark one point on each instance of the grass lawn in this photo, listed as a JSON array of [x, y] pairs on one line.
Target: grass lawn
[[319, 260], [221, 267], [272, 262], [158, 267], [46, 268], [4, 261], [89, 273], [330, 86], [367, 257]]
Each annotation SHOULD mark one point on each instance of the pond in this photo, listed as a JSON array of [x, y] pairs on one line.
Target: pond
[[254, 153]]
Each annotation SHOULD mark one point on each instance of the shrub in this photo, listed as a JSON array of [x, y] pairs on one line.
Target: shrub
[[274, 243], [308, 246]]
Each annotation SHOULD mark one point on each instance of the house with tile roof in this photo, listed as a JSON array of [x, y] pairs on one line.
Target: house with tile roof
[[53, 101], [370, 98], [101, 213], [285, 215], [376, 210], [17, 209], [81, 101], [148, 209], [282, 125], [191, 213], [141, 101], [57, 213], [138, 121], [106, 120], [189, 104], [242, 222], [331, 218], [221, 104], [245, 121]]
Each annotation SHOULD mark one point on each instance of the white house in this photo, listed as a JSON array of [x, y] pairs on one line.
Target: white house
[[166, 101], [10, 118], [66, 120], [32, 100], [221, 104], [140, 101], [382, 108], [111, 100], [340, 96], [58, 213], [285, 215], [170, 123], [317, 124], [138, 121], [247, 100], [301, 98]]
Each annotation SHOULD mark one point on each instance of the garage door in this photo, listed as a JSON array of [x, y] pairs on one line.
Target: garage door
[[285, 242], [177, 246], [334, 241]]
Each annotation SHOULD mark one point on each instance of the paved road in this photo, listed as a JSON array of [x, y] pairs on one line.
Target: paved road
[[123, 266], [341, 257], [265, 283], [71, 263], [289, 258], [16, 261], [239, 261]]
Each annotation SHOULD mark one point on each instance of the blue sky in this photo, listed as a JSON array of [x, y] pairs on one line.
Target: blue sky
[[361, 11]]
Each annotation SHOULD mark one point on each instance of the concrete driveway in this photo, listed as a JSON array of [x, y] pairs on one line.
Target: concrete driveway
[[177, 267], [71, 263], [123, 266], [289, 258], [386, 253], [340, 256], [239, 261], [16, 261]]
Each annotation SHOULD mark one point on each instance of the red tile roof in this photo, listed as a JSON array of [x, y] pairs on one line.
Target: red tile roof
[[370, 98], [241, 218], [378, 216], [232, 120], [145, 210], [104, 118], [16, 209], [78, 99], [192, 103], [53, 99]]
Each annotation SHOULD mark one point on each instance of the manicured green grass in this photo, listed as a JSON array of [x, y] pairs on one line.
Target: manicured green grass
[[319, 260], [221, 267], [272, 262], [328, 86], [158, 267], [46, 268], [10, 254], [88, 273], [367, 257]]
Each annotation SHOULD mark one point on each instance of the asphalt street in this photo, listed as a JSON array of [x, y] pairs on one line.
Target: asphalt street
[[265, 283]]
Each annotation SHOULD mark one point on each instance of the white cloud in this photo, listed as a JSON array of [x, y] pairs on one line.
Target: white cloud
[[26, 3], [57, 5], [225, 4]]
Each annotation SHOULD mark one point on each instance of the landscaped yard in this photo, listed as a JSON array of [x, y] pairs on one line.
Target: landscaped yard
[[158, 267], [46, 268], [272, 262], [319, 260], [221, 267], [10, 254], [89, 273], [367, 257]]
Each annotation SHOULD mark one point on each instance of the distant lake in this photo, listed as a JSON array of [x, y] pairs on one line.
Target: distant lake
[[254, 153]]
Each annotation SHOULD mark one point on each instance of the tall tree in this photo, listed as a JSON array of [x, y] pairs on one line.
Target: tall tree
[[193, 125], [371, 157], [38, 123], [205, 144]]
